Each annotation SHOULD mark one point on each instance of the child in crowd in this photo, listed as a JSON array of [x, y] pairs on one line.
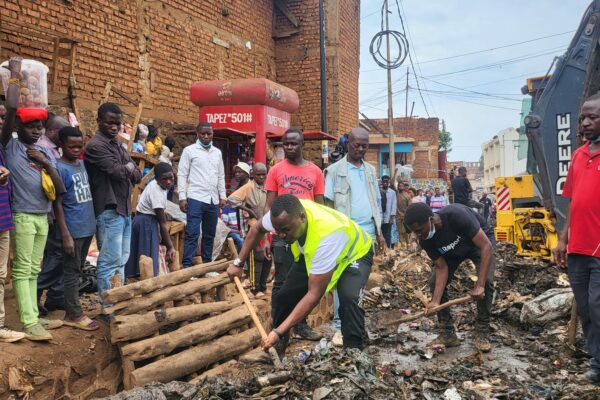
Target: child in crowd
[[139, 144], [29, 163], [74, 211], [229, 216], [149, 227], [154, 142]]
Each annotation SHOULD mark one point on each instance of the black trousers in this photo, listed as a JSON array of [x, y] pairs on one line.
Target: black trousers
[[51, 275], [262, 268], [72, 271], [484, 306], [584, 275], [386, 231], [284, 259], [350, 289]]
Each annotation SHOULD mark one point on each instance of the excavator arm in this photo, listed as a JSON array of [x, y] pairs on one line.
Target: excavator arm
[[552, 125]]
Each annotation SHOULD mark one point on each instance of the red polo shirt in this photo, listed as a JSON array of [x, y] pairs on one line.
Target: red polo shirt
[[583, 181]]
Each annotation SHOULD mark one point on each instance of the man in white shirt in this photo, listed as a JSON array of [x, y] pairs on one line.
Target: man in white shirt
[[201, 181]]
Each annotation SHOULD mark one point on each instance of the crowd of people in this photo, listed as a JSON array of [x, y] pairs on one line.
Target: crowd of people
[[62, 193], [320, 229]]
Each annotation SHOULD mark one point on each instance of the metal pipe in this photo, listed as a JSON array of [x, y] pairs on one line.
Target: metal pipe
[[323, 66]]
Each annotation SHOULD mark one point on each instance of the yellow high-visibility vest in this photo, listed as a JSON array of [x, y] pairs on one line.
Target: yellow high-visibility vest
[[323, 221]]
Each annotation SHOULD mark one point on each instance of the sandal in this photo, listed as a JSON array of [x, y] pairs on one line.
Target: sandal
[[85, 323]]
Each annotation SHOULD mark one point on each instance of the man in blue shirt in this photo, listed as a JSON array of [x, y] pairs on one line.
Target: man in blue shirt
[[351, 188]]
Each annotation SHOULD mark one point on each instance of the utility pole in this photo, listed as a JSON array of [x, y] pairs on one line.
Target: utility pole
[[406, 101], [392, 157]]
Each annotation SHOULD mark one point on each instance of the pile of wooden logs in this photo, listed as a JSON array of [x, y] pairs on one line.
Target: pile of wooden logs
[[180, 324]]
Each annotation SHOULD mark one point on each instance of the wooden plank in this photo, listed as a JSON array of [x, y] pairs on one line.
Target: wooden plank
[[55, 57], [136, 121]]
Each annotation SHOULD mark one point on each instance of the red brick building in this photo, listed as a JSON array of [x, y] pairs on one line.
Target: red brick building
[[416, 144], [151, 51]]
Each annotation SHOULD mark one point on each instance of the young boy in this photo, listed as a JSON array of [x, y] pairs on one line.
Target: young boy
[[150, 223], [30, 202], [74, 212]]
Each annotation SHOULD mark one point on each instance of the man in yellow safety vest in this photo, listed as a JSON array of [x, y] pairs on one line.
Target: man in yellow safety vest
[[329, 250]]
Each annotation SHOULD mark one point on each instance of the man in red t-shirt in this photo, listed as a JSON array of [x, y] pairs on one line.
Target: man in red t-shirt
[[299, 177], [580, 238]]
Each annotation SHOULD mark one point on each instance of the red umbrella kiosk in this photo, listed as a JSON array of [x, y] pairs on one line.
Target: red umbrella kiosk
[[247, 111]]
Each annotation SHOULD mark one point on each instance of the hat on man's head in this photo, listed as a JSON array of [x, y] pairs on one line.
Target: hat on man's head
[[27, 115], [243, 166]]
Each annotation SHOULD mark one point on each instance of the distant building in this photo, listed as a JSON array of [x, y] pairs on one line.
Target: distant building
[[500, 157], [416, 145]]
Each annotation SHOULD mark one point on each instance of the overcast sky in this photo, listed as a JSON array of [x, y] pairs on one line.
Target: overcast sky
[[441, 29]]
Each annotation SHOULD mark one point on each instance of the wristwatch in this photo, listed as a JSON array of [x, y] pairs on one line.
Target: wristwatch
[[237, 263]]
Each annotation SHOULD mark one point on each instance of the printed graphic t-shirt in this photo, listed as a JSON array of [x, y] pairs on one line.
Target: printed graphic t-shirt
[[304, 182], [454, 240], [77, 200]]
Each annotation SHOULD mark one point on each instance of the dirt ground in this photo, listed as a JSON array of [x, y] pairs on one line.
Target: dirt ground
[[75, 364], [527, 361]]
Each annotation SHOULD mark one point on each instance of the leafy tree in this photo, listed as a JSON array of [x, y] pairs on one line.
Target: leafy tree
[[445, 139]]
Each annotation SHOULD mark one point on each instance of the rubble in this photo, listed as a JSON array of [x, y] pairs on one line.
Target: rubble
[[528, 360]]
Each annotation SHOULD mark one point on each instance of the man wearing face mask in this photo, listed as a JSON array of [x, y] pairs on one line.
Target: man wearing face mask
[[450, 236], [201, 180]]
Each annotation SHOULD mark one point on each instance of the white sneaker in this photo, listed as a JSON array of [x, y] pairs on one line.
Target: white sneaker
[[9, 336], [338, 339]]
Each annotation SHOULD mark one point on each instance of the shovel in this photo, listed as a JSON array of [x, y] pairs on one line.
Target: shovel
[[250, 307], [434, 310]]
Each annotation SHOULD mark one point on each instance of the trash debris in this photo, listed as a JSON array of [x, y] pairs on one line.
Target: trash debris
[[549, 306], [18, 382]]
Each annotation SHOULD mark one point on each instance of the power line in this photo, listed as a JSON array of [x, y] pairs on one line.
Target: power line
[[411, 61], [502, 63], [496, 48], [477, 103], [484, 50], [470, 91]]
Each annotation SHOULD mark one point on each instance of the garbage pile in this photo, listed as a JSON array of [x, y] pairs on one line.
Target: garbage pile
[[530, 358]]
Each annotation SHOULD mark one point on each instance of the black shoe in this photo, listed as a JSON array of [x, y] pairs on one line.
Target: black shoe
[[282, 345], [54, 307], [42, 311], [593, 376], [303, 331]]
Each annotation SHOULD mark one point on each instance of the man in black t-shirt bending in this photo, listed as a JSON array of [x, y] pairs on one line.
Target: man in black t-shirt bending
[[450, 236]]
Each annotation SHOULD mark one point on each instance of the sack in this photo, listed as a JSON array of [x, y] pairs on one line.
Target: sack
[[48, 185]]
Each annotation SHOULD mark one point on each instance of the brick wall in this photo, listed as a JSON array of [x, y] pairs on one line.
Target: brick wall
[[153, 51], [423, 133]]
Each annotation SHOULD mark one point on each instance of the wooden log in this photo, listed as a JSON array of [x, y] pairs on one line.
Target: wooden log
[[218, 370], [128, 327], [198, 357], [197, 332], [160, 282], [146, 267], [175, 265], [157, 298], [435, 310]]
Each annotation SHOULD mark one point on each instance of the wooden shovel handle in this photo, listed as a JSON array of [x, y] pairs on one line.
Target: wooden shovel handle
[[250, 307], [434, 310]]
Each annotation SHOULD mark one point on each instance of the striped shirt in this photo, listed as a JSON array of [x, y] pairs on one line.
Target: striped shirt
[[6, 221]]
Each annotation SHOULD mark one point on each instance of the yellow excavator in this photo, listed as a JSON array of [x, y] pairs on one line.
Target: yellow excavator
[[530, 209]]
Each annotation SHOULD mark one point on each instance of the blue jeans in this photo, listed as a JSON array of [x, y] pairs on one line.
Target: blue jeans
[[337, 321], [237, 239], [207, 215], [113, 234]]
